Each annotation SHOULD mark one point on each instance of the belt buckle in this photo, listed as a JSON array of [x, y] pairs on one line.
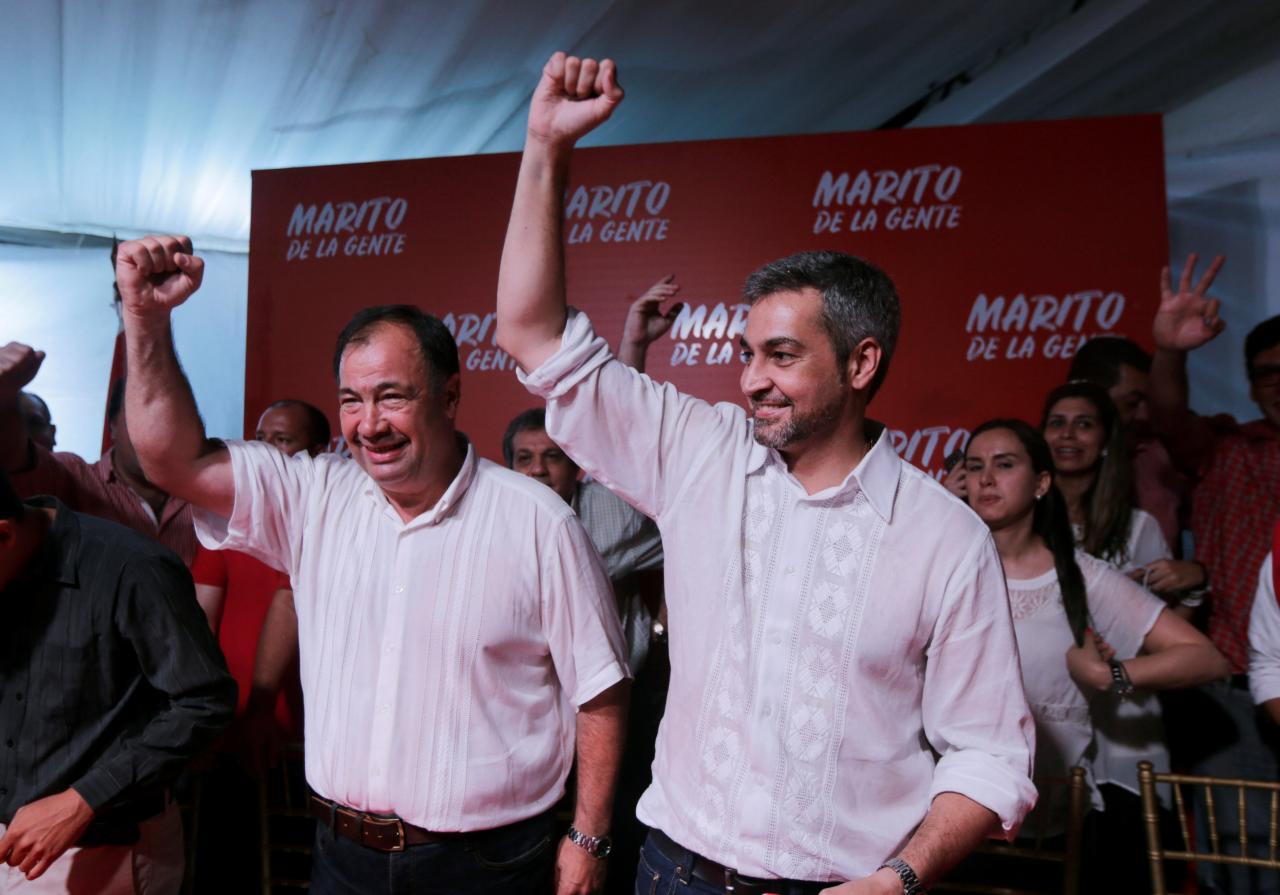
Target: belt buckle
[[399, 846]]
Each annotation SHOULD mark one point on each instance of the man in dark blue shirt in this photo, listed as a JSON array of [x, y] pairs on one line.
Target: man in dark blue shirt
[[110, 681]]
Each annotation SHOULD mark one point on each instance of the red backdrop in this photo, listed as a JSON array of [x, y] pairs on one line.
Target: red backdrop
[[1010, 244]]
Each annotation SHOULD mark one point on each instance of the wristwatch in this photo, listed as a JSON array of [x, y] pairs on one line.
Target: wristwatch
[[1121, 684], [910, 882], [596, 846]]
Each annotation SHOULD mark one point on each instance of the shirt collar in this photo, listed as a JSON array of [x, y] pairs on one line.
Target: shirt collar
[[61, 547], [876, 473], [448, 501]]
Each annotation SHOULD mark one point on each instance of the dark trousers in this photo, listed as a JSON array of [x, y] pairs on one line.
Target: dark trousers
[[657, 874], [514, 860]]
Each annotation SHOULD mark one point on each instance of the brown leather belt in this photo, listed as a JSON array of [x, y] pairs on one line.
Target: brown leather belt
[[381, 832]]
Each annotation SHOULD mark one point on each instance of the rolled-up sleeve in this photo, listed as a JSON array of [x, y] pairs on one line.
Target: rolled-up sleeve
[[975, 713], [267, 519], [1264, 638], [642, 439], [580, 619]]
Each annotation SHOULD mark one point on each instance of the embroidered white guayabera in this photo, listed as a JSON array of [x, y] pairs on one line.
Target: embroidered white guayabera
[[822, 646]]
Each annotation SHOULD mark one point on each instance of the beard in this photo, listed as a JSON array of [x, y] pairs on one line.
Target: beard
[[798, 425]]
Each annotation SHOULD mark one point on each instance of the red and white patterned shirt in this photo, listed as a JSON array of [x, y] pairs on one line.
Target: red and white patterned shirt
[[94, 488], [1235, 506]]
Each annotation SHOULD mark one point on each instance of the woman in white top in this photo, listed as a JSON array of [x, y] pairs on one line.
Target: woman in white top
[[1083, 628]]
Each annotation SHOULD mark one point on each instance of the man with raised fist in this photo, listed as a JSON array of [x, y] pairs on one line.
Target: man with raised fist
[[1234, 508], [114, 487], [845, 713], [454, 622]]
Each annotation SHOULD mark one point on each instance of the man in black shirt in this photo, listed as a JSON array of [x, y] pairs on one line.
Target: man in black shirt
[[110, 681]]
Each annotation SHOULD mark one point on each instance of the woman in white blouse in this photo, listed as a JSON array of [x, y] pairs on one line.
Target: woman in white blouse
[[1083, 628]]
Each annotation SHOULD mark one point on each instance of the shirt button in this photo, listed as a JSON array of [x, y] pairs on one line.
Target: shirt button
[[767, 711], [387, 649], [9, 743], [385, 709], [791, 570], [18, 697], [399, 588], [776, 640]]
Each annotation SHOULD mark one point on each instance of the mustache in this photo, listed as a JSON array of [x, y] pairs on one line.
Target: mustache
[[776, 399]]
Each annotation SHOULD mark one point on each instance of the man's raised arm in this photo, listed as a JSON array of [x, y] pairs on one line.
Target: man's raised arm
[[155, 274], [574, 96]]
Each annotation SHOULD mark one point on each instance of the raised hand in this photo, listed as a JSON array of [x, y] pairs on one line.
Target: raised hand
[[573, 98], [155, 274], [18, 366], [1187, 318], [646, 321]]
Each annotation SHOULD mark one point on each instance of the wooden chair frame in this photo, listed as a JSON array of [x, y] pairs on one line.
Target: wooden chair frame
[[1148, 779]]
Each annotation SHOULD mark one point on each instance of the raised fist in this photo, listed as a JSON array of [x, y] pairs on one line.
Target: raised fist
[[18, 366], [573, 98], [1187, 318], [155, 274], [646, 320]]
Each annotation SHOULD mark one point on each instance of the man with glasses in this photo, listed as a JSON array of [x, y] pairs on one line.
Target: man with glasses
[[1235, 506]]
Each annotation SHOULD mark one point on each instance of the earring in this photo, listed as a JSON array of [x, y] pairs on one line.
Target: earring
[[1038, 496], [1104, 452]]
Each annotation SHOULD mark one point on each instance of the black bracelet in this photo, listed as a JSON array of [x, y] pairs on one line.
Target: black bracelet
[[1121, 683]]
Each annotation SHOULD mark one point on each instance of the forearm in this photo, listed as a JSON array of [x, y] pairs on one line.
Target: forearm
[[633, 354], [1272, 708], [165, 425], [1183, 665], [954, 826], [1168, 390], [277, 650], [601, 733], [531, 291]]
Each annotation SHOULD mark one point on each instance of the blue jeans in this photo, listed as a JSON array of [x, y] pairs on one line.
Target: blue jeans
[[656, 874], [1246, 748], [516, 859]]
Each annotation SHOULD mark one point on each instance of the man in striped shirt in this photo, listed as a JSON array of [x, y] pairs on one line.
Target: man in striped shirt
[[113, 488]]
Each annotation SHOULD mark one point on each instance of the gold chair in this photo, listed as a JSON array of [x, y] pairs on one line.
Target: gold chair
[[1034, 849], [284, 824], [1148, 779]]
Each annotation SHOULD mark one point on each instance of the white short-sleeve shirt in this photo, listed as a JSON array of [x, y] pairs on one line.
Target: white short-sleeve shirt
[[442, 658]]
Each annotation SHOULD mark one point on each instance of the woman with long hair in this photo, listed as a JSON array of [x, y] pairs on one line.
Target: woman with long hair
[[1083, 628]]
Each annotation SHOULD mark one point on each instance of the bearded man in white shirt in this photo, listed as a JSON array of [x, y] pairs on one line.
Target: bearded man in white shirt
[[454, 620], [836, 618]]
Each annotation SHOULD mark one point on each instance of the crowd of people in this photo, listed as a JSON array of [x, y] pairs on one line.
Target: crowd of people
[[670, 646]]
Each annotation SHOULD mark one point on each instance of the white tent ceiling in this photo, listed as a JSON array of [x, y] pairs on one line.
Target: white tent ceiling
[[134, 115], [124, 116]]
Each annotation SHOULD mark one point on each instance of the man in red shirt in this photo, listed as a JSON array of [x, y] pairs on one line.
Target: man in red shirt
[[113, 488], [250, 608], [1235, 505]]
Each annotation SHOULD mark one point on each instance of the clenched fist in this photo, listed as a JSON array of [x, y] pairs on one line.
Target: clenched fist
[[574, 97], [18, 366], [155, 274]]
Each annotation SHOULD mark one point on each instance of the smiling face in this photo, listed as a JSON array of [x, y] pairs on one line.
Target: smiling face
[[534, 454], [399, 427], [1073, 428], [796, 389], [1002, 482]]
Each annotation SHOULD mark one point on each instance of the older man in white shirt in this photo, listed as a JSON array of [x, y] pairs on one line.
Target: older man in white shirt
[[454, 622], [836, 618]]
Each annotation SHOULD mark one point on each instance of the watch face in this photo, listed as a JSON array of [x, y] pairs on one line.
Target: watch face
[[605, 848]]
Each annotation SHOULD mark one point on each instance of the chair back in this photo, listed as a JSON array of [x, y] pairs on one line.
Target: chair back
[[1222, 850]]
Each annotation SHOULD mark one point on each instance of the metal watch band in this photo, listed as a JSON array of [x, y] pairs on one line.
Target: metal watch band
[[1121, 684], [910, 883], [596, 846]]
